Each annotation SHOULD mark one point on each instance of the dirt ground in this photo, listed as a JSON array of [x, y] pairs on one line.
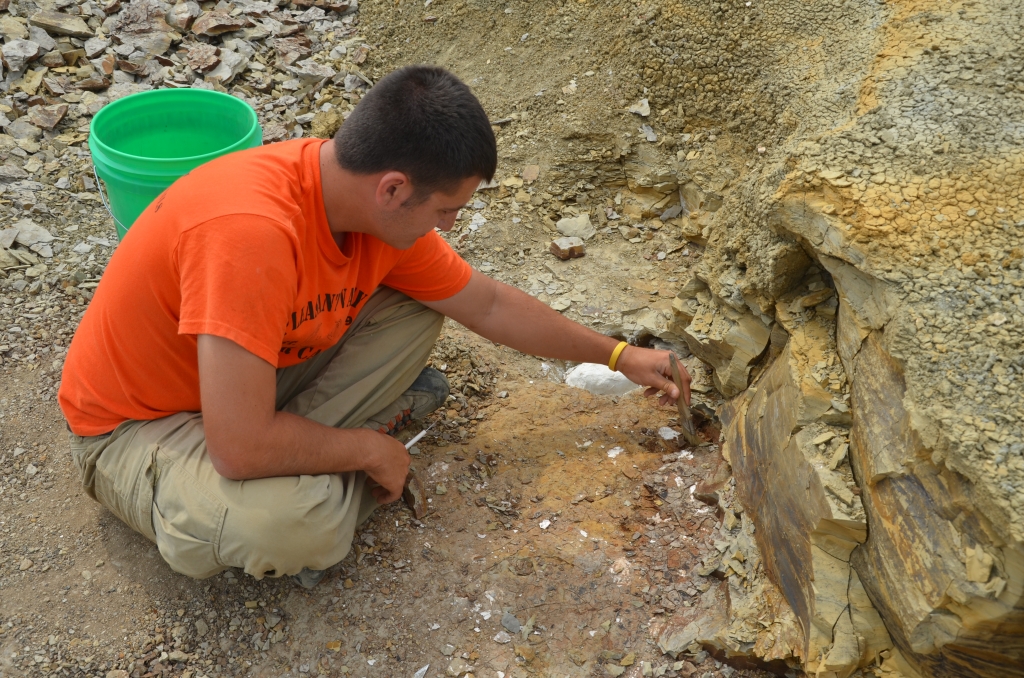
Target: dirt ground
[[545, 513]]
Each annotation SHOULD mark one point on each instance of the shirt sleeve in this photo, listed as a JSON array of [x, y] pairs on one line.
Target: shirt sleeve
[[430, 270], [238, 281]]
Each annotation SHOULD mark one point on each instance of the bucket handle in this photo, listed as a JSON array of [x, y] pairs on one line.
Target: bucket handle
[[103, 198]]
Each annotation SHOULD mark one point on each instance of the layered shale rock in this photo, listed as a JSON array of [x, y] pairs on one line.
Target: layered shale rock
[[886, 156]]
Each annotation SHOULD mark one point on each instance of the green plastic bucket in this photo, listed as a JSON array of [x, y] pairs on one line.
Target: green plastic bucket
[[142, 143]]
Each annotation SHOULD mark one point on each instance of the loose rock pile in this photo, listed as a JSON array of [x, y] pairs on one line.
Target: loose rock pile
[[62, 65]]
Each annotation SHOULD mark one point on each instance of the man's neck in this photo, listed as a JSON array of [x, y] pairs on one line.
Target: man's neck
[[346, 196]]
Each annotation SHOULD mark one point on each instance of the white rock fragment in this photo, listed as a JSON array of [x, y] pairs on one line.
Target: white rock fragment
[[599, 380], [231, 64], [183, 14], [545, 524], [641, 108], [41, 38], [668, 433], [30, 233], [576, 227], [310, 72], [615, 451], [502, 637], [17, 53]]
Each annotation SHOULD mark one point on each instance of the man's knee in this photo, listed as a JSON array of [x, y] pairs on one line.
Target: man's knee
[[302, 522]]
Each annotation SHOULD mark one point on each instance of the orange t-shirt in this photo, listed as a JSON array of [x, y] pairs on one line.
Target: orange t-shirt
[[239, 248]]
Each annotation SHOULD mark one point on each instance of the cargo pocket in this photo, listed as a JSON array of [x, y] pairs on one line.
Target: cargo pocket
[[122, 480], [188, 520]]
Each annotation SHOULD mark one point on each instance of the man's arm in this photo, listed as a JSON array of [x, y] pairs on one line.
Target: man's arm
[[246, 438], [509, 316]]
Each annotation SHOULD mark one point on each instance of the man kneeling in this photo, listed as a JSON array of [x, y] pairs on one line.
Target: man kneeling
[[262, 331]]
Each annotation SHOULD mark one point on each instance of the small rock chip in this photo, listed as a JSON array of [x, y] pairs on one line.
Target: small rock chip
[[671, 212], [231, 64], [177, 656], [274, 131], [641, 108], [568, 248], [95, 47], [457, 667], [415, 496], [217, 22], [61, 24], [183, 14], [25, 564], [326, 123], [511, 624], [52, 59], [47, 117], [812, 299], [578, 226], [41, 38], [359, 54], [291, 49], [17, 53], [9, 173], [530, 173], [202, 57], [30, 233], [502, 637], [202, 628], [12, 29], [310, 72], [94, 84]]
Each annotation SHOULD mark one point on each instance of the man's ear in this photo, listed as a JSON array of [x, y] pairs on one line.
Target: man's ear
[[393, 189]]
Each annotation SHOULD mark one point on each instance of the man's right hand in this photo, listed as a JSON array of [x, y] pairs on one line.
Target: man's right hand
[[247, 438], [388, 468]]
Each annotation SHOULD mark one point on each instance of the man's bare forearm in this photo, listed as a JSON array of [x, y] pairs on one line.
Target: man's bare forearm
[[509, 316], [519, 321], [290, 445], [246, 438]]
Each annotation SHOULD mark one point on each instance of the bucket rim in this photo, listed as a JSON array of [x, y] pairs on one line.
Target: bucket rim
[[96, 143]]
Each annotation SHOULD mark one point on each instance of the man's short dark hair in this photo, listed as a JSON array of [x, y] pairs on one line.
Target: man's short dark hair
[[421, 121]]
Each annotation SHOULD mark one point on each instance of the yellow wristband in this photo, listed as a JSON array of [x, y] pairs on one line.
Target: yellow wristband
[[614, 360]]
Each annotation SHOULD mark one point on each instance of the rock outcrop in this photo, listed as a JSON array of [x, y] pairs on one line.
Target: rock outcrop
[[862, 281]]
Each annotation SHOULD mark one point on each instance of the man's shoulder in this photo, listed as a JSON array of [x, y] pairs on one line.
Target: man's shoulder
[[275, 162], [270, 181]]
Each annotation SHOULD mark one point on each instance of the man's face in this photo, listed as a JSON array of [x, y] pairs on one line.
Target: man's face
[[403, 225]]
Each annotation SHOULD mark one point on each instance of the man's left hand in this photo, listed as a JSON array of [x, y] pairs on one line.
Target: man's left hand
[[652, 369]]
